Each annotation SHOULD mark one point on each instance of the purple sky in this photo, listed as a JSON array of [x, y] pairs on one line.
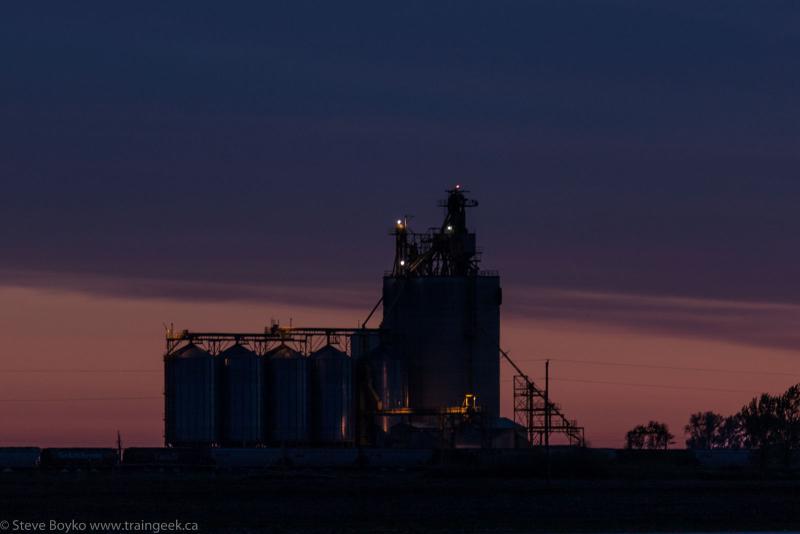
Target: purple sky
[[636, 163]]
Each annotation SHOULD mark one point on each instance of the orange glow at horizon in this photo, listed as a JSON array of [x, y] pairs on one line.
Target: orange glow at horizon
[[77, 335]]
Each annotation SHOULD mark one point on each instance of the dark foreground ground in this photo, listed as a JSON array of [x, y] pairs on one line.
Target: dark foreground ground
[[295, 500]]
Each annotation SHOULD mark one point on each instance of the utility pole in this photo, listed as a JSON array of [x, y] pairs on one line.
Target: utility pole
[[119, 446], [547, 403], [529, 411], [547, 416]]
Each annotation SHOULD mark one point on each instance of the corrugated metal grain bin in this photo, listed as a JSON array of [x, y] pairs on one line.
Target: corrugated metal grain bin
[[191, 397], [287, 396], [242, 397], [332, 396]]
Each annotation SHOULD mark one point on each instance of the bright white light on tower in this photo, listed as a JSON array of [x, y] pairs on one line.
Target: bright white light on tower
[[399, 221], [449, 228], [402, 262]]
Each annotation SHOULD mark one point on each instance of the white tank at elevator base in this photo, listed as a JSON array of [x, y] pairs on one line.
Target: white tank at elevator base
[[448, 331], [287, 398], [242, 389], [332, 396], [190, 395]]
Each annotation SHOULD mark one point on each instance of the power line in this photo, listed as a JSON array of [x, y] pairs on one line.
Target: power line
[[60, 442], [660, 386], [83, 399], [58, 371], [644, 385], [672, 367]]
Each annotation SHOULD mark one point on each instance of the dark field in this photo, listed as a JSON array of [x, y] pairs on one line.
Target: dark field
[[406, 501]]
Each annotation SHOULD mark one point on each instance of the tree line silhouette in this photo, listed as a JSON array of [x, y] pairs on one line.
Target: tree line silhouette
[[766, 421]]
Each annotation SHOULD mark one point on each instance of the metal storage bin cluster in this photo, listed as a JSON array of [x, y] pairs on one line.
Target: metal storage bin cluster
[[238, 398]]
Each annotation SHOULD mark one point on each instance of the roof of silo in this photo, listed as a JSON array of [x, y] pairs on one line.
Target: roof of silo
[[283, 351], [237, 350], [329, 352], [190, 351]]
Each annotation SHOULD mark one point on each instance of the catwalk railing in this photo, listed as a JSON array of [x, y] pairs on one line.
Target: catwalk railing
[[305, 340]]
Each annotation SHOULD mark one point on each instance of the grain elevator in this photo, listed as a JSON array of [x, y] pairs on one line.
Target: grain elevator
[[433, 360], [444, 313]]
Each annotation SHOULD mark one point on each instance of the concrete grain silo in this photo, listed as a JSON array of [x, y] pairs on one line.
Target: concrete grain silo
[[444, 314]]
